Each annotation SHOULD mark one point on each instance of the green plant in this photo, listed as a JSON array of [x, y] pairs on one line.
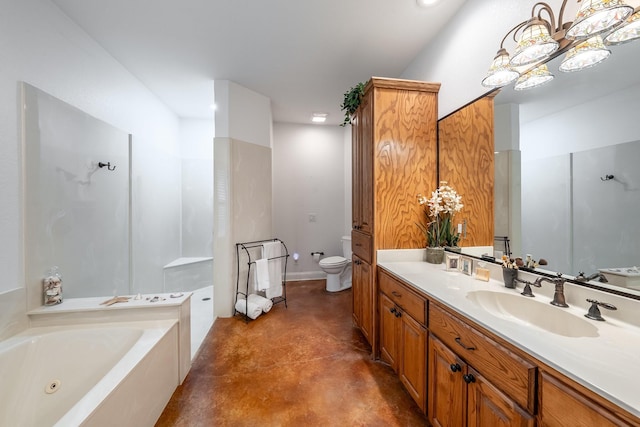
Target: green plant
[[352, 99]]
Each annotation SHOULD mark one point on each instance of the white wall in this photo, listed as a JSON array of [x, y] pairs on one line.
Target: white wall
[[309, 180], [196, 145], [40, 45], [242, 182]]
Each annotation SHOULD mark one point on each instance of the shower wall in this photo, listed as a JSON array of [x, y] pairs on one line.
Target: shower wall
[[76, 213], [573, 218]]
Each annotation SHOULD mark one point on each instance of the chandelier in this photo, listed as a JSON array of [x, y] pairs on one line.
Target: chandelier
[[598, 24]]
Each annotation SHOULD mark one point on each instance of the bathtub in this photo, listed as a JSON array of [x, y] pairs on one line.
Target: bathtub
[[95, 375]]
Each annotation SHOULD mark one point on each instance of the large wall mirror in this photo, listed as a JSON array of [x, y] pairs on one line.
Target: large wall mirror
[[568, 170]]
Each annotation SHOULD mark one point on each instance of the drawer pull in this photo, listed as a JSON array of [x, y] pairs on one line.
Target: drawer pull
[[455, 367], [469, 378], [396, 294], [461, 344], [393, 310]]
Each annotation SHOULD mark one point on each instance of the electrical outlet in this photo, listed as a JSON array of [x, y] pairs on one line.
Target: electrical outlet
[[312, 217]]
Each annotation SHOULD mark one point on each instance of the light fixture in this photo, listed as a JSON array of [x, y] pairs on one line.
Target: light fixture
[[500, 72], [426, 3], [585, 54], [534, 78], [319, 117], [628, 31], [535, 44], [538, 40], [597, 17]]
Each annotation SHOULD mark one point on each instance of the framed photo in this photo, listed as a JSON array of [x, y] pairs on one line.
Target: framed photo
[[482, 274], [466, 265], [452, 262]]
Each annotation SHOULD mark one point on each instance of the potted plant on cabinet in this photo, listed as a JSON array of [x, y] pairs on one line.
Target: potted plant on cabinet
[[351, 102], [439, 229]]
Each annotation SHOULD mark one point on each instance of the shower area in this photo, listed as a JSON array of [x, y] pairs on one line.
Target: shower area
[[115, 218]]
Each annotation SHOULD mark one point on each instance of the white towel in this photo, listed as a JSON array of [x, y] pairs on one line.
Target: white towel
[[271, 251], [254, 309], [264, 303], [262, 274]]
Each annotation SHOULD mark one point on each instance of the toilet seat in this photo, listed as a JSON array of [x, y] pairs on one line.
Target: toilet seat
[[333, 261]]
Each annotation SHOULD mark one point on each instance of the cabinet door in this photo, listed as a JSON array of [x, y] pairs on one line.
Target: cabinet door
[[488, 406], [356, 170], [356, 291], [413, 359], [366, 165], [562, 405], [362, 284], [447, 389], [389, 331]]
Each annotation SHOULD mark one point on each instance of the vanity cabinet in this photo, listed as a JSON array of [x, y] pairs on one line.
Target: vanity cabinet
[[403, 335], [492, 385], [394, 150], [461, 396], [564, 403]]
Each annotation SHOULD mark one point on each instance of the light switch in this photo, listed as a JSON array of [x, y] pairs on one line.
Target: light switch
[[312, 217]]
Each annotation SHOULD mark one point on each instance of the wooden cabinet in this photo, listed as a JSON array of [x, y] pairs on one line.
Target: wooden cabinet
[[459, 395], [394, 143], [565, 403], [363, 290], [496, 386], [403, 339], [466, 162]]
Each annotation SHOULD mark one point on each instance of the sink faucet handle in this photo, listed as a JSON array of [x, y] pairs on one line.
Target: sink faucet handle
[[594, 311]]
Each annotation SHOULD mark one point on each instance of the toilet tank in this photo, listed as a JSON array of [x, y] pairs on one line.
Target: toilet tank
[[346, 247]]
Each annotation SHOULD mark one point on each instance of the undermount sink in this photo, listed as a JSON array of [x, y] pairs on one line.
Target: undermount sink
[[530, 312]]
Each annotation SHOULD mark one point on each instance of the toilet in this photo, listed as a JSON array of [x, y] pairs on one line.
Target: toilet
[[338, 268]]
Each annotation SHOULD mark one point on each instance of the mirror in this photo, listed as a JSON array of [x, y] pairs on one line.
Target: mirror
[[572, 148]]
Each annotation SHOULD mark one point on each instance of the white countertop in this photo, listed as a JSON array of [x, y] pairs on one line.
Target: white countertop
[[606, 363]]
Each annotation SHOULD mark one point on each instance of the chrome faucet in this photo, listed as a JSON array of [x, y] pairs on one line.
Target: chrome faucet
[[582, 278], [558, 296]]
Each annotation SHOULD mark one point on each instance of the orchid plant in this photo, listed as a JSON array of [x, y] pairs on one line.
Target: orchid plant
[[439, 211]]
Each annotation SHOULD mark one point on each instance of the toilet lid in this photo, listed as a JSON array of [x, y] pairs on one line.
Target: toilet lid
[[333, 260]]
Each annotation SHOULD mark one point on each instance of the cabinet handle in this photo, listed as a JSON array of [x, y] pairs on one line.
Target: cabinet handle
[[469, 378], [396, 294], [398, 313], [358, 244], [393, 310], [461, 344], [455, 367]]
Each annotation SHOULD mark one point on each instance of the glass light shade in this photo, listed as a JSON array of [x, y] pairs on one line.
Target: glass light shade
[[536, 77], [628, 31], [585, 55], [598, 16], [500, 72], [535, 44]]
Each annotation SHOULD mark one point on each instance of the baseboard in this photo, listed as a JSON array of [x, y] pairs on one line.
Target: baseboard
[[306, 275]]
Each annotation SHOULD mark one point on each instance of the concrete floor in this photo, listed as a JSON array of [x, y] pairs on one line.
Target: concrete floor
[[305, 365]]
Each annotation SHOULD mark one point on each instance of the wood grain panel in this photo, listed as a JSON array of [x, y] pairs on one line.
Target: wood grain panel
[[405, 164], [466, 162]]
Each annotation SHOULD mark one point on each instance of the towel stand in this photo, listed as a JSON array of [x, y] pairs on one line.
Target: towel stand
[[243, 248]]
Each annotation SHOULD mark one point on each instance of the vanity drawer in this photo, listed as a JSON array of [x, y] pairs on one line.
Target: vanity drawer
[[514, 375], [361, 245], [409, 301]]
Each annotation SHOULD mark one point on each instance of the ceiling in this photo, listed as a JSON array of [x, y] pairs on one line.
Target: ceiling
[[303, 55]]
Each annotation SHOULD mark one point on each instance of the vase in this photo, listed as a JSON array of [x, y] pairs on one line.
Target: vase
[[509, 275], [435, 255]]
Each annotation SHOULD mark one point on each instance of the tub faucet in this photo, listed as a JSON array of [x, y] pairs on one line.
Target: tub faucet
[[582, 278], [558, 296]]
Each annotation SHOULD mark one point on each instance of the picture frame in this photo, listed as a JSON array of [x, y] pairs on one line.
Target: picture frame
[[466, 265], [452, 262], [482, 274]]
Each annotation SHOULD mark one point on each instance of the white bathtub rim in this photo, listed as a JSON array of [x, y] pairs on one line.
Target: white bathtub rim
[[153, 332]]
